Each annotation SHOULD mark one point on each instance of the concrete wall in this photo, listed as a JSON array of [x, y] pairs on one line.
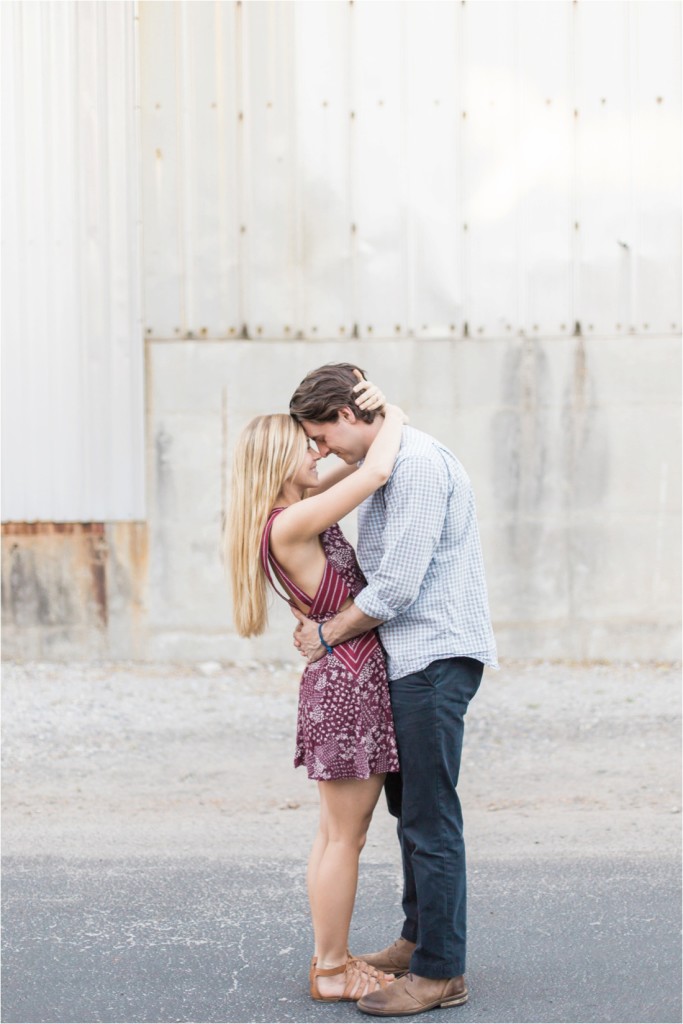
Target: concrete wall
[[573, 447]]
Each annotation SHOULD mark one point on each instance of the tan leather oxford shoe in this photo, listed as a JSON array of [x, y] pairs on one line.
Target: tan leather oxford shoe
[[413, 994], [395, 959]]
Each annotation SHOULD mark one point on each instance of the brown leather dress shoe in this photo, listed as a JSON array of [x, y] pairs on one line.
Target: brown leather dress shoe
[[395, 959], [414, 994]]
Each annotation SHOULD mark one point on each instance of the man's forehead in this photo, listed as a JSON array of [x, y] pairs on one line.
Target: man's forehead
[[314, 429]]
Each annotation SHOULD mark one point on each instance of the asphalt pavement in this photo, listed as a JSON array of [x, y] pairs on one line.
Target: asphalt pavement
[[164, 939]]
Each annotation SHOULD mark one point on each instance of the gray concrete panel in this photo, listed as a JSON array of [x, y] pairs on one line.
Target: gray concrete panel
[[572, 445]]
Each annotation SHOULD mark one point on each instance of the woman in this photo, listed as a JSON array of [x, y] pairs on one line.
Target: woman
[[283, 530]]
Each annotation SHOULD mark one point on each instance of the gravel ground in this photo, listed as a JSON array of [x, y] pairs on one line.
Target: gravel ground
[[124, 760]]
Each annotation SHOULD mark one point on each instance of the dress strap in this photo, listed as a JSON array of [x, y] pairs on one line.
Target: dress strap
[[267, 557]]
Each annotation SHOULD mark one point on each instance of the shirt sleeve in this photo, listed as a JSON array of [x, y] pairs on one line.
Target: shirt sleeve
[[416, 500]]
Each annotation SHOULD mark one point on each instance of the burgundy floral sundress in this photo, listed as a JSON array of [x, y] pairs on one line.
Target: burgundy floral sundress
[[345, 729]]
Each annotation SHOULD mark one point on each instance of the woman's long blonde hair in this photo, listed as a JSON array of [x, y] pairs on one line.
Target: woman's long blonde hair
[[269, 451]]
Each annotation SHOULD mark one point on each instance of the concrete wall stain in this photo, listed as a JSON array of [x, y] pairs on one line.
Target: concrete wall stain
[[520, 439], [74, 585], [586, 454], [164, 498]]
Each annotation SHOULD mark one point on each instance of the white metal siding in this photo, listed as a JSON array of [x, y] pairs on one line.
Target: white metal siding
[[72, 387], [406, 168], [307, 170]]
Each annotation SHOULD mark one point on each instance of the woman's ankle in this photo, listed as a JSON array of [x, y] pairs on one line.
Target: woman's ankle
[[331, 960]]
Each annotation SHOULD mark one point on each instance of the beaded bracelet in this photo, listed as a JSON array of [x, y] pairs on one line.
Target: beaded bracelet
[[323, 641]]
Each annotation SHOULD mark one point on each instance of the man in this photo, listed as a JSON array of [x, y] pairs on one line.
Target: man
[[418, 546]]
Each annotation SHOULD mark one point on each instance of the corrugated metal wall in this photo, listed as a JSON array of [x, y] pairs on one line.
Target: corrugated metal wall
[[72, 382], [315, 170], [410, 169]]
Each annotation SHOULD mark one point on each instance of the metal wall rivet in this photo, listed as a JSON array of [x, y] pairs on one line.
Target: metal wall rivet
[[660, 99], [149, 330], [259, 330], [287, 329], [397, 328], [240, 116], [563, 327], [603, 100], [314, 330], [342, 330], [324, 103], [243, 228], [177, 330], [369, 329], [618, 327], [232, 330]]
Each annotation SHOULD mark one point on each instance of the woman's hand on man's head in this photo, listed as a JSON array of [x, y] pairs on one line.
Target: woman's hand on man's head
[[367, 395]]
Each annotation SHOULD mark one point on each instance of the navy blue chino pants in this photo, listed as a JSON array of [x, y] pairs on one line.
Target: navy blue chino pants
[[429, 707]]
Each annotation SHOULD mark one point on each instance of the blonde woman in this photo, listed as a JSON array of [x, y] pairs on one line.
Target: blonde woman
[[282, 531]]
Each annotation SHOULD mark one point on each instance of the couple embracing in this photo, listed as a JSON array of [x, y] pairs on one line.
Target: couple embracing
[[395, 642]]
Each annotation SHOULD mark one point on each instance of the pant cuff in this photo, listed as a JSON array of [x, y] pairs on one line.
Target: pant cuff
[[430, 969]]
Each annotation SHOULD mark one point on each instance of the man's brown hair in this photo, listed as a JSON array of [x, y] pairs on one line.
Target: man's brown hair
[[323, 392]]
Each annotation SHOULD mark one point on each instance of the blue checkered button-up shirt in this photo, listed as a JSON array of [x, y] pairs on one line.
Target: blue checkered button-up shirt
[[418, 545]]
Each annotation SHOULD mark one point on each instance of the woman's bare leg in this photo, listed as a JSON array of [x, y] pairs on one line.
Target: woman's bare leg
[[317, 851], [346, 810]]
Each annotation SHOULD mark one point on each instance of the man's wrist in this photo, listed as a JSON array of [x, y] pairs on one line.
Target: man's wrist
[[329, 634], [346, 624], [323, 641]]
